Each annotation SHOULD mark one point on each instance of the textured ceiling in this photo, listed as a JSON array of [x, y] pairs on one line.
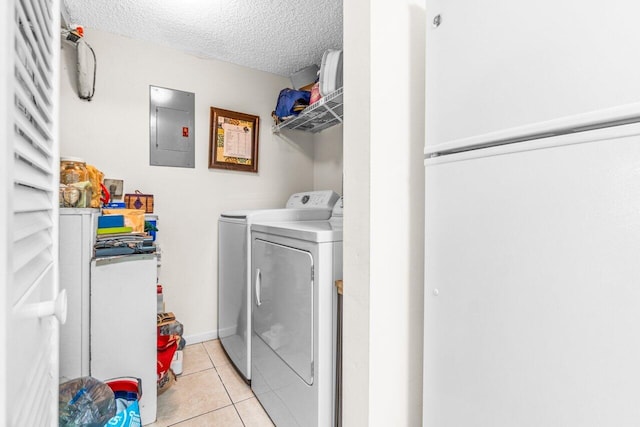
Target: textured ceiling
[[278, 36]]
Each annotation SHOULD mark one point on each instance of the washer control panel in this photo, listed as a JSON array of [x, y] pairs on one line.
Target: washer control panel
[[324, 199]]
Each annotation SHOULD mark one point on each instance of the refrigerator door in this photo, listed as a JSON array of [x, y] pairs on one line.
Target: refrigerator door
[[493, 66], [532, 284]]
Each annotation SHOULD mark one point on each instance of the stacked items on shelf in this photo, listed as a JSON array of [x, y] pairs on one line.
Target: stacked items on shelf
[[322, 115], [170, 345], [122, 233], [316, 102]]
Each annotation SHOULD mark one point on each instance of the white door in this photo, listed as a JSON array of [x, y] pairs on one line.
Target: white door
[[30, 304], [531, 284]]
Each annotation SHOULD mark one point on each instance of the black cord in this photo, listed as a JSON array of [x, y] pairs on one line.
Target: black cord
[[95, 67]]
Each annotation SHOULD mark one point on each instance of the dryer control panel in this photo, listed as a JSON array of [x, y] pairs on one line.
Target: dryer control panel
[[324, 199]]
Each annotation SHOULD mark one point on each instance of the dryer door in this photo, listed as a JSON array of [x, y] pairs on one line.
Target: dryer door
[[283, 304]]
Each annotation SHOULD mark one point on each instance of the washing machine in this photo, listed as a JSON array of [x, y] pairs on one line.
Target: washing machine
[[294, 269], [234, 262]]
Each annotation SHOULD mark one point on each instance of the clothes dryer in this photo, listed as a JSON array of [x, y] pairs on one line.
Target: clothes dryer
[[294, 267], [234, 263]]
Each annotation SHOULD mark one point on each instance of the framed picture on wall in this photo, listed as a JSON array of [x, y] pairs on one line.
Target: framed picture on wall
[[233, 140], [114, 186]]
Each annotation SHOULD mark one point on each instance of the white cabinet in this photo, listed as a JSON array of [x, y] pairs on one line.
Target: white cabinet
[[123, 323], [77, 237], [497, 65]]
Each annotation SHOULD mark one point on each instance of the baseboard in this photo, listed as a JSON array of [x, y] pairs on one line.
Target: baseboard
[[205, 336], [226, 332]]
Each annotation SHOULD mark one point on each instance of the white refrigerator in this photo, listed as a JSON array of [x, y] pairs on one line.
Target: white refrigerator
[[532, 283], [532, 205]]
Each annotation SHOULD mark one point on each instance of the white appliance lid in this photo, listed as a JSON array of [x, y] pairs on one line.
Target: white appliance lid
[[250, 216], [311, 231], [321, 202]]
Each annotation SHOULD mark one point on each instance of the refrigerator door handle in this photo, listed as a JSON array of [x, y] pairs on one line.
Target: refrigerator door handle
[[258, 286]]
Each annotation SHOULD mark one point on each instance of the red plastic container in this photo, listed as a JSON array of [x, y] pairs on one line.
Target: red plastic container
[[128, 387]]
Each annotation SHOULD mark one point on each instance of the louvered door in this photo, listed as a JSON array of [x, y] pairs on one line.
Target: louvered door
[[31, 306]]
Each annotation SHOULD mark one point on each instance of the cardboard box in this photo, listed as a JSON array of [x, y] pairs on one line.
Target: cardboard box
[[133, 218]]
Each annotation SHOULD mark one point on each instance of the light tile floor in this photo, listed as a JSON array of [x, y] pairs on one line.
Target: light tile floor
[[209, 393]]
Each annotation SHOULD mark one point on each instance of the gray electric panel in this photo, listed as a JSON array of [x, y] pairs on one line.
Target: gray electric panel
[[171, 128]]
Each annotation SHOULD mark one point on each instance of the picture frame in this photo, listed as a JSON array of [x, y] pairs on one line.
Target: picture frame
[[115, 188], [233, 140]]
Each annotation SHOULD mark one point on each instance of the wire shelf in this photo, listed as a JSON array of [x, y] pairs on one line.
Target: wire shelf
[[319, 116]]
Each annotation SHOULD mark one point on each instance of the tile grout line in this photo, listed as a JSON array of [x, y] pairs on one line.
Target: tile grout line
[[224, 385], [239, 416], [235, 408], [228, 394], [189, 417], [200, 371], [199, 415], [215, 368]]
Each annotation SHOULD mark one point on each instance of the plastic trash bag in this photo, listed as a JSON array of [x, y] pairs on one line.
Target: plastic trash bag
[[85, 401]]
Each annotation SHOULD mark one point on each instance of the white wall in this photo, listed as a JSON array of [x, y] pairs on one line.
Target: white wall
[[384, 212], [327, 157], [357, 239], [112, 133]]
